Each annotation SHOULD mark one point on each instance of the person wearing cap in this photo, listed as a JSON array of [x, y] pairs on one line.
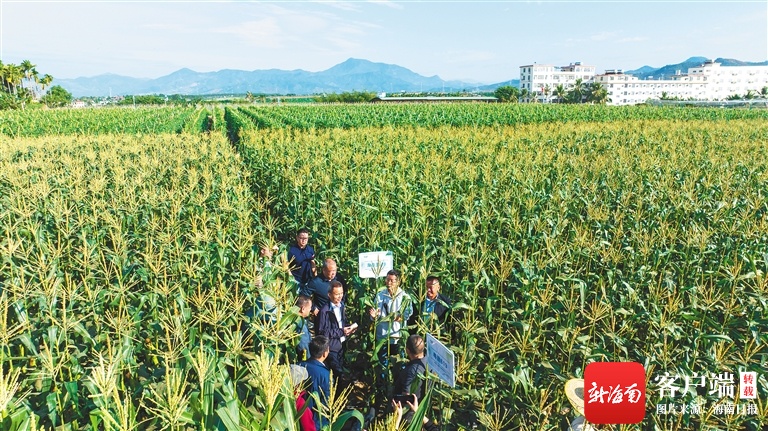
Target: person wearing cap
[[319, 375], [299, 375], [574, 391]]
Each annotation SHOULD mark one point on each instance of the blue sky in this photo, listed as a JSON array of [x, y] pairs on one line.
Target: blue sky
[[483, 42]]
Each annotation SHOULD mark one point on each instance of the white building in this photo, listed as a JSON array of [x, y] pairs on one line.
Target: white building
[[724, 81], [626, 89], [543, 79], [710, 81]]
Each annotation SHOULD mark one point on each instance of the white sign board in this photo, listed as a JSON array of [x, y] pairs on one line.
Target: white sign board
[[375, 264], [440, 361]]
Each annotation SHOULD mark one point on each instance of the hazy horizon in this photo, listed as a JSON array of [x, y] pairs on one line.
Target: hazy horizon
[[482, 42]]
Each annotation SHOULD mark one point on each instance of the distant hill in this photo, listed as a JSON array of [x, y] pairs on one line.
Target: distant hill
[[493, 87], [351, 75], [672, 69]]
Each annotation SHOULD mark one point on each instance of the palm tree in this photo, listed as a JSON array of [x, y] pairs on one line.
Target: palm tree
[[764, 92], [598, 93], [2, 76], [46, 80], [28, 69], [577, 92], [524, 94], [13, 77], [560, 93], [546, 90], [750, 95]]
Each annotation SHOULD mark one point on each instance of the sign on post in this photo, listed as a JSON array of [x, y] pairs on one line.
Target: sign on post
[[440, 361], [375, 264]]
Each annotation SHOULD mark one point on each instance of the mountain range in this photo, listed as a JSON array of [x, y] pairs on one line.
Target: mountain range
[[648, 72], [351, 75]]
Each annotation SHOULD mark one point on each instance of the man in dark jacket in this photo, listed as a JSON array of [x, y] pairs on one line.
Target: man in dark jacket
[[317, 289], [302, 259], [407, 379], [332, 323], [435, 309]]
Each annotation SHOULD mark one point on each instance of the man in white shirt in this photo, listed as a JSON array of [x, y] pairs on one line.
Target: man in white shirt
[[393, 308]]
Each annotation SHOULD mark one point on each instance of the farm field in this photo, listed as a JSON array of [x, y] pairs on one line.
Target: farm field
[[565, 235]]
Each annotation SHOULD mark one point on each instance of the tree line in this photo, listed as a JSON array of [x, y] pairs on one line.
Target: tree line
[[20, 84], [579, 92]]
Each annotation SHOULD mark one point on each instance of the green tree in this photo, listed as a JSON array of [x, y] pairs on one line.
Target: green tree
[[560, 93], [20, 84], [507, 93], [533, 96], [57, 96], [46, 80], [346, 97], [764, 91], [546, 91], [524, 94], [12, 75], [576, 95], [598, 94]]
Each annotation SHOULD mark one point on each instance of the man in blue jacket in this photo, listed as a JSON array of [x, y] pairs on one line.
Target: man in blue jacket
[[302, 259], [317, 289], [319, 376]]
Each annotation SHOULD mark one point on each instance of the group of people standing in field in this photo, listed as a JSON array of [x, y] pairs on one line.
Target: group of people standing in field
[[325, 329]]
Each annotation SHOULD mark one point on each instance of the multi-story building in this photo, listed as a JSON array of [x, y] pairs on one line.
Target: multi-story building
[[541, 80], [724, 81], [626, 89], [710, 81]]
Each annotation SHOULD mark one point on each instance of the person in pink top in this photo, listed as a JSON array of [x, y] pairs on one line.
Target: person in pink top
[[306, 418]]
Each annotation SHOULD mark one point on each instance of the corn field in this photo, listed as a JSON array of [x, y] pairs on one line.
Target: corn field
[[565, 235]]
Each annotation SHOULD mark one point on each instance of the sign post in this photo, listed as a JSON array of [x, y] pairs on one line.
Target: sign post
[[441, 361], [375, 264]]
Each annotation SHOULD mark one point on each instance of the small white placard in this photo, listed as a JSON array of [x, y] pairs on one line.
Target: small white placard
[[440, 361], [375, 264]]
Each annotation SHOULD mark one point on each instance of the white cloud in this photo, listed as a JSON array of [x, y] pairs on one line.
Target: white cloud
[[387, 3], [342, 5], [263, 33], [606, 35], [342, 43], [459, 57], [632, 39]]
